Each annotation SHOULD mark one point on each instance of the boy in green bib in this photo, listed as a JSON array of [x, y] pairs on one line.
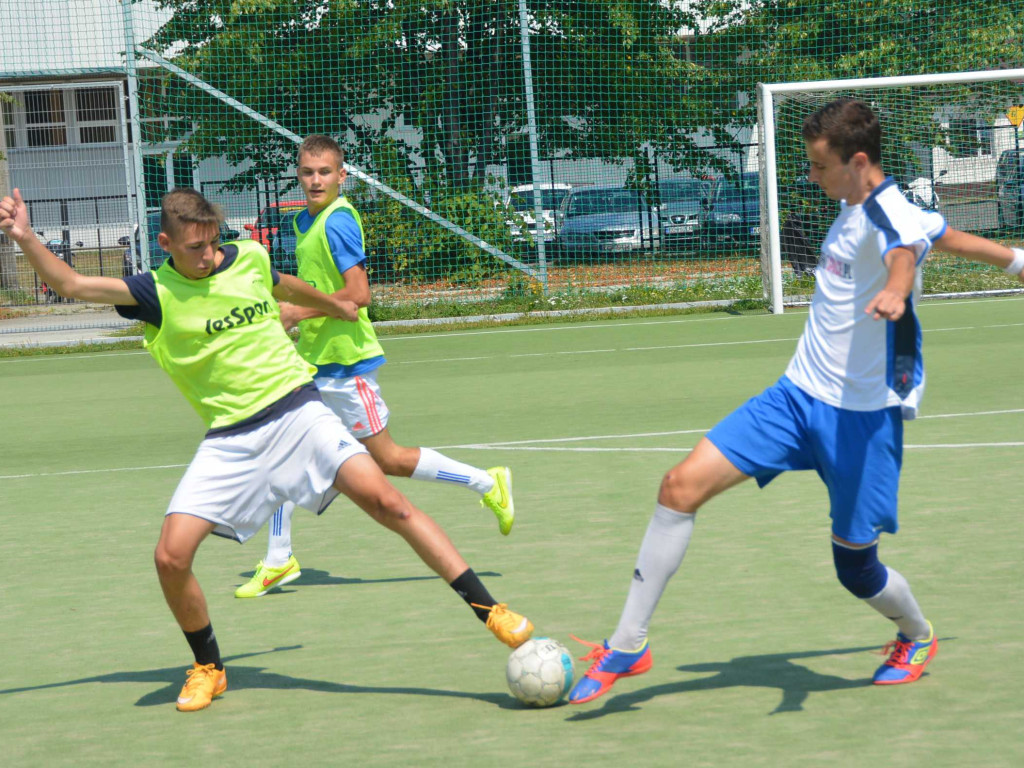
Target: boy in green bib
[[212, 323], [330, 251]]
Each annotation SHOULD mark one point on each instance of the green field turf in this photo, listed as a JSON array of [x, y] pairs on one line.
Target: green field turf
[[761, 658]]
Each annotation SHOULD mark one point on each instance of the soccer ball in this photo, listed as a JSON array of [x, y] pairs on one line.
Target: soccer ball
[[540, 672]]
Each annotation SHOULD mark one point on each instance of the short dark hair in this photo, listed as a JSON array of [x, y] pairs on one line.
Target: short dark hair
[[318, 144], [849, 126], [186, 206]]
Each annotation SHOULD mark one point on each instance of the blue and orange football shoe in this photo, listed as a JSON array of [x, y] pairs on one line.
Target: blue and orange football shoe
[[609, 665], [907, 659]]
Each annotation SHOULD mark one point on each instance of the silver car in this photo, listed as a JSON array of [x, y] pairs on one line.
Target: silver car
[[680, 211], [602, 221]]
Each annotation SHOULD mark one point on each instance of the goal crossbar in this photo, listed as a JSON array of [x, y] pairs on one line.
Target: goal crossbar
[[766, 94]]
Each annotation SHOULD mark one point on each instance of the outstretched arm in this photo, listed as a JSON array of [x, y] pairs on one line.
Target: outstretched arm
[[357, 290], [293, 290], [968, 246], [55, 273]]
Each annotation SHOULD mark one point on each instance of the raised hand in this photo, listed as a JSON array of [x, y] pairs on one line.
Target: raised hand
[[14, 216]]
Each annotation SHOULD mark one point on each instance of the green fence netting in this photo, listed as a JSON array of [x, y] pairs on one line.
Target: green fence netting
[[530, 154]]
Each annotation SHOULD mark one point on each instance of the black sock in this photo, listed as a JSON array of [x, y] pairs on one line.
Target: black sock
[[204, 646], [471, 589]]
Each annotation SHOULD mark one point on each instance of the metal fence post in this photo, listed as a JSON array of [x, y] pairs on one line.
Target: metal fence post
[[531, 127], [133, 105]]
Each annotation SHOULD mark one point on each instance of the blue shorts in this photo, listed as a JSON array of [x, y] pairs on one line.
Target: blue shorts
[[857, 453]]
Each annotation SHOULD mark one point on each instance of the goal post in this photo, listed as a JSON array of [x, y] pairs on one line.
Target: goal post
[[947, 139]]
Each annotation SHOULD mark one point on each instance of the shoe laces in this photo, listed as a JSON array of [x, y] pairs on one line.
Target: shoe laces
[[199, 674], [597, 652], [500, 614], [898, 652]]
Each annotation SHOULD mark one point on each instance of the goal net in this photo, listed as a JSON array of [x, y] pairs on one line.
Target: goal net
[[953, 144]]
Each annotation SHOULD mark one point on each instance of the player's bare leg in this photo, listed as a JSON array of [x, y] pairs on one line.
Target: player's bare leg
[[361, 480], [704, 474], [393, 459], [494, 484], [180, 537], [698, 478]]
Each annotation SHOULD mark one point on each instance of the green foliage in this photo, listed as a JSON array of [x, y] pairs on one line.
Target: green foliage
[[428, 96], [450, 70]]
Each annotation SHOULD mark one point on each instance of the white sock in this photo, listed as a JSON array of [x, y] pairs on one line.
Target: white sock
[[665, 543], [438, 468], [897, 603], [279, 548]]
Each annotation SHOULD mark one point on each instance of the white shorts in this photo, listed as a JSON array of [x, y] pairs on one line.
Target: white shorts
[[357, 401], [237, 482]]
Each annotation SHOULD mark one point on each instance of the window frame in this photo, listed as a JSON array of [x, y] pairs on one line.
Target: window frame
[[17, 125]]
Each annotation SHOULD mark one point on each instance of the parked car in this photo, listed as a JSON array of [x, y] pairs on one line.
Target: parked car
[[158, 255], [604, 221], [680, 211], [1010, 188], [522, 223], [269, 220], [732, 213], [282, 244]]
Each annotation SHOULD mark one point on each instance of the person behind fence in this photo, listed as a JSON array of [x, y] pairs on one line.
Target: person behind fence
[[838, 409], [212, 324], [330, 252]]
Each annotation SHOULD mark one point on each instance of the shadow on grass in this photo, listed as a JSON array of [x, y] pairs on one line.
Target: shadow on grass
[[779, 671], [254, 677], [311, 577]]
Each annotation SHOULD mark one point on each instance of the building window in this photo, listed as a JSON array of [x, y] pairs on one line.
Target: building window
[[61, 117], [969, 137], [45, 124], [96, 115], [10, 134]]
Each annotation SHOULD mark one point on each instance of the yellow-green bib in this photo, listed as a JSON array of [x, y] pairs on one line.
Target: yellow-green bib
[[326, 340], [221, 341]]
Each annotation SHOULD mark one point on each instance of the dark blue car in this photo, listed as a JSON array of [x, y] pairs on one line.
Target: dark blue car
[[732, 213], [282, 245], [158, 255]]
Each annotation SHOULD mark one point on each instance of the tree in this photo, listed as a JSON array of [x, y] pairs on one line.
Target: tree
[[444, 75], [619, 80], [793, 40]]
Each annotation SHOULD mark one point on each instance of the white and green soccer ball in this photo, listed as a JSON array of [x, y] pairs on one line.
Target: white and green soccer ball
[[540, 672]]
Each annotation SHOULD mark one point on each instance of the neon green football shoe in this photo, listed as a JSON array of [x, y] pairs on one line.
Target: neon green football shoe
[[499, 498], [267, 578]]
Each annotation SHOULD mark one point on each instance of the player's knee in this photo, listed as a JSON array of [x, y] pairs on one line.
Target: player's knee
[[390, 508], [859, 570], [169, 562], [679, 489]]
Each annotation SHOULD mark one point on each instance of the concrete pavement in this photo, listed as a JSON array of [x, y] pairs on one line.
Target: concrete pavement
[[64, 325]]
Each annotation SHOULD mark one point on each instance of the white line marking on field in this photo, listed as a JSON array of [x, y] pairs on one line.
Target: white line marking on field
[[975, 413], [965, 445], [564, 449], [707, 344], [580, 439], [788, 339], [92, 471], [37, 358], [548, 444], [625, 449]]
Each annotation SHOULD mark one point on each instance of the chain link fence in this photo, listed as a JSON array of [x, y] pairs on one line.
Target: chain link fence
[[498, 149]]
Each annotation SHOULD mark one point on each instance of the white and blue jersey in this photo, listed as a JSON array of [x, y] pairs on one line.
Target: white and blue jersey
[[840, 406], [845, 357]]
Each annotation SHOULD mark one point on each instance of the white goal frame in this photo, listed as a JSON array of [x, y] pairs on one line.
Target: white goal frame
[[766, 98]]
